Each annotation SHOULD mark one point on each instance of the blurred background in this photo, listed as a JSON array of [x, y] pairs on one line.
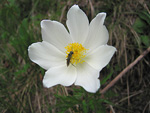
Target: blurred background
[[21, 88]]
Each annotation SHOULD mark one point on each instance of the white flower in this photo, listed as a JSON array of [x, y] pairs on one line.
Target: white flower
[[74, 57]]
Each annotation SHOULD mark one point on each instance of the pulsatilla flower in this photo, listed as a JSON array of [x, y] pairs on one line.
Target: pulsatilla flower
[[75, 56]]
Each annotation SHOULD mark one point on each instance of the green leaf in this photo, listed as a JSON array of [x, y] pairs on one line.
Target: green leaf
[[145, 16], [23, 70], [84, 106], [139, 26], [145, 40], [106, 78]]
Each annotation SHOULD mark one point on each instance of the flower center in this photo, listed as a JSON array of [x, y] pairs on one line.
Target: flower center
[[75, 53]]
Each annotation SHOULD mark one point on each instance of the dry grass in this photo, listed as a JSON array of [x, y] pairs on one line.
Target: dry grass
[[133, 90]]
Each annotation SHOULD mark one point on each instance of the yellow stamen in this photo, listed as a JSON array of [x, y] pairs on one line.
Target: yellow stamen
[[78, 53]]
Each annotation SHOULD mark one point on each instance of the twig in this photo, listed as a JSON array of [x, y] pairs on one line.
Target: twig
[[38, 100], [125, 70], [63, 11], [92, 8], [112, 109], [146, 107], [130, 96]]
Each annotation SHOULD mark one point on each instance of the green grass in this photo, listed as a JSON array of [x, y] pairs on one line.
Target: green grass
[[21, 88]]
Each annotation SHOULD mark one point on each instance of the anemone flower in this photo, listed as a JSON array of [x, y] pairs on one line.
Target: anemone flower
[[75, 56]]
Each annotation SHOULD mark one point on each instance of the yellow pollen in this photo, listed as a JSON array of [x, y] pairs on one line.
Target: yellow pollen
[[78, 53]]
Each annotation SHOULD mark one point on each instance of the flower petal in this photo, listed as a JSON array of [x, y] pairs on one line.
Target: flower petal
[[46, 55], [55, 33], [60, 75], [100, 57], [78, 24], [87, 77], [98, 34]]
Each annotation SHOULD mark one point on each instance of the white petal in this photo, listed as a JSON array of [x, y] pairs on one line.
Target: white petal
[[78, 24], [55, 33], [46, 55], [87, 77], [100, 57], [60, 75], [98, 34]]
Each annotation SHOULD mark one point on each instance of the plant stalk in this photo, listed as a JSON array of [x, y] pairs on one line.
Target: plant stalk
[[125, 71]]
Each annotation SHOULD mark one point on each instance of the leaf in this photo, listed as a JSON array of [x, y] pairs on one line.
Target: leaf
[[23, 29], [139, 26], [23, 70], [84, 106], [146, 40], [145, 16], [106, 78]]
